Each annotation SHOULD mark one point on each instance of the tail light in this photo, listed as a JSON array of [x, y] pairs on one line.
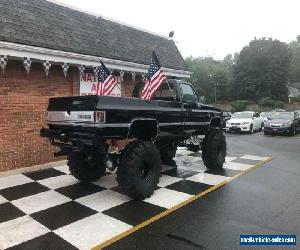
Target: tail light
[[99, 116]]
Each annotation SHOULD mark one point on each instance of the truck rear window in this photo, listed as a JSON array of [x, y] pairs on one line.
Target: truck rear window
[[166, 92]]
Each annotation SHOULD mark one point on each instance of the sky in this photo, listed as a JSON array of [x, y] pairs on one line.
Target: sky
[[204, 27]]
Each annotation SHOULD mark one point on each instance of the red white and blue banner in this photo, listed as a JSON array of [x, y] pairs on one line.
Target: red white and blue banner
[[154, 78], [89, 85], [107, 81]]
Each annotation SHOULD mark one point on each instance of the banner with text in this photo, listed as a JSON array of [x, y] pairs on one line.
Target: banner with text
[[89, 85]]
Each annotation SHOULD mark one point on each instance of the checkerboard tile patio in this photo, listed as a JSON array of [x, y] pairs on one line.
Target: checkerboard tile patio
[[51, 208]]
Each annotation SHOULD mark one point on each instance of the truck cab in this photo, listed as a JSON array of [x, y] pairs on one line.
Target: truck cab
[[175, 94]]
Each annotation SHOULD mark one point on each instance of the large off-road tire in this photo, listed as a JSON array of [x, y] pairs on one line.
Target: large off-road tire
[[168, 153], [139, 170], [87, 165], [214, 149]]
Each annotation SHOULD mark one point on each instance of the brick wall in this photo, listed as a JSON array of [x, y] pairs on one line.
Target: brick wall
[[128, 83], [23, 104]]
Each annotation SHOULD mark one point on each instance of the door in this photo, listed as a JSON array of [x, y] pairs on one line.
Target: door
[[168, 112], [257, 121], [194, 117]]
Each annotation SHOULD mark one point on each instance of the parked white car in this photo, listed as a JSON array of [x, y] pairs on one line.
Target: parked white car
[[247, 121]]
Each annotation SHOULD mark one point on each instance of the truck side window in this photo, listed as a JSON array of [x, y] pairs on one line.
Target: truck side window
[[188, 94]]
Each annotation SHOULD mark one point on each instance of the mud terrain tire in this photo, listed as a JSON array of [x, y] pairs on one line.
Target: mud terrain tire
[[139, 170], [168, 153], [86, 165], [214, 149]]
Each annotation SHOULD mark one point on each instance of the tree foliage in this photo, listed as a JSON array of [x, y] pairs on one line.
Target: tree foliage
[[266, 102], [262, 70], [269, 102], [239, 105], [207, 74], [295, 62]]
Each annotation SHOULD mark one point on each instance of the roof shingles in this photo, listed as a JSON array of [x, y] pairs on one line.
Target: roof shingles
[[44, 24]]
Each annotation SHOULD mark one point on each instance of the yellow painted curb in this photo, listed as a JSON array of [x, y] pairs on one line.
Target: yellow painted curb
[[166, 212]]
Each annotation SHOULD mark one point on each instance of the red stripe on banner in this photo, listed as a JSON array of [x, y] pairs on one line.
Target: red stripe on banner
[[154, 90], [145, 90], [156, 75], [156, 79], [109, 85], [109, 90], [101, 88], [152, 93], [156, 85], [153, 85]]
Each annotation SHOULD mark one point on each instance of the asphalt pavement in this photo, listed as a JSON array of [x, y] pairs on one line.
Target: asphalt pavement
[[265, 200]]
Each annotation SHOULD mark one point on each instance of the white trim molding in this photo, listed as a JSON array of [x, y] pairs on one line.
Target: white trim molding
[[57, 56]]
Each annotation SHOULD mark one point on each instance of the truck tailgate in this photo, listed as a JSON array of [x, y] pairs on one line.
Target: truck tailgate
[[73, 103], [74, 109]]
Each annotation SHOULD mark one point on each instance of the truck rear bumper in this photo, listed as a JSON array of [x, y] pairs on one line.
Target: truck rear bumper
[[69, 141], [50, 133]]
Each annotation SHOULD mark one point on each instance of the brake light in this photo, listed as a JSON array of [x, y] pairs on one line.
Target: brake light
[[99, 116]]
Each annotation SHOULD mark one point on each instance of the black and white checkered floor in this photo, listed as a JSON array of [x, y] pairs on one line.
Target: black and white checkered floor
[[51, 209]]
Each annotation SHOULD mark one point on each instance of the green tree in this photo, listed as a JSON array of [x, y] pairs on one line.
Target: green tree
[[262, 70], [209, 75], [295, 62], [229, 63], [239, 105]]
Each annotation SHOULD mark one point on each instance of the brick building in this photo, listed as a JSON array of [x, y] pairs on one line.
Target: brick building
[[40, 31]]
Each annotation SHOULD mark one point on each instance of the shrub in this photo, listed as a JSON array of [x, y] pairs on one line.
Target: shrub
[[266, 101], [279, 104], [296, 99], [269, 102], [239, 105]]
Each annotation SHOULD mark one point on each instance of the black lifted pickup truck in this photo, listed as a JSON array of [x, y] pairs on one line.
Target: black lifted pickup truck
[[134, 135]]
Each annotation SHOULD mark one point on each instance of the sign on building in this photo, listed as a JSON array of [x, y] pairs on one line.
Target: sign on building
[[89, 85]]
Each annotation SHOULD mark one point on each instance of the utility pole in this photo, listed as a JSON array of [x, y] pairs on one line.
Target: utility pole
[[215, 85], [215, 92]]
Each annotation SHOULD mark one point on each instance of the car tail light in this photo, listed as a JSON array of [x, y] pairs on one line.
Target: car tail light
[[99, 116]]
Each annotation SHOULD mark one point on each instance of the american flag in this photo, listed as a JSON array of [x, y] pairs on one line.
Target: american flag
[[107, 82], [154, 78]]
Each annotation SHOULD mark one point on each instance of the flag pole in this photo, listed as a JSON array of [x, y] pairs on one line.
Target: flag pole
[[148, 90]]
